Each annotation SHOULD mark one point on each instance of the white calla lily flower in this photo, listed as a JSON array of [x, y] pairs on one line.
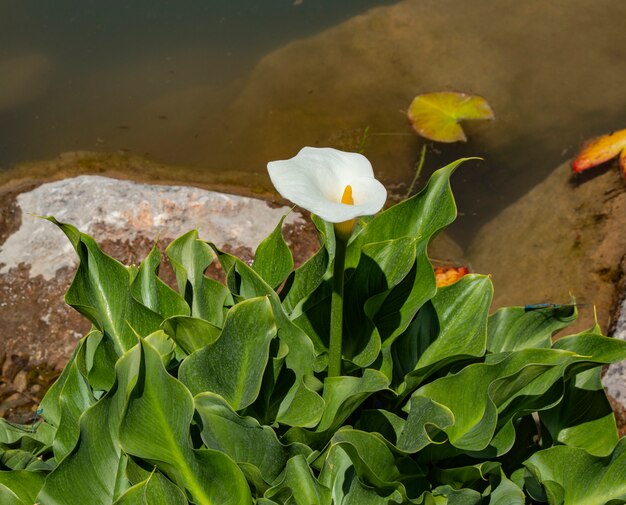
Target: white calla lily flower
[[320, 179]]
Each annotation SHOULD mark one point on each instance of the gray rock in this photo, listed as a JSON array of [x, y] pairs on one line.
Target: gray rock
[[614, 379], [111, 209]]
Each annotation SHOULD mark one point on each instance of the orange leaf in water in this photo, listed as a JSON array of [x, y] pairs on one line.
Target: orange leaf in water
[[436, 116], [449, 275], [600, 150]]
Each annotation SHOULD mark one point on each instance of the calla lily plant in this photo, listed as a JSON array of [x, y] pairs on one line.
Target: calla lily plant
[[338, 186], [215, 393]]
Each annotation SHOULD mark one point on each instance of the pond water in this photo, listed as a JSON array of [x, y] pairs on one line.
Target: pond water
[[224, 87]]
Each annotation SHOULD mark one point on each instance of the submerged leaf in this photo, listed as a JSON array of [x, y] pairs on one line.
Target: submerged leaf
[[600, 150], [436, 116]]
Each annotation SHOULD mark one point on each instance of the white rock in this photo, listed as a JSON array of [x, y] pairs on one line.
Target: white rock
[[111, 209]]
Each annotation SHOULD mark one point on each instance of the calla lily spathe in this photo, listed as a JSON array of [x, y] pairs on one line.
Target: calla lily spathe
[[316, 179]]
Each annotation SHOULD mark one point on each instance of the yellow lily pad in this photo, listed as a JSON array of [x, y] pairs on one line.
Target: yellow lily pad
[[600, 150], [436, 116]]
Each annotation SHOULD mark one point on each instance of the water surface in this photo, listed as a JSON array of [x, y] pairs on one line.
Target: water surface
[[222, 87]]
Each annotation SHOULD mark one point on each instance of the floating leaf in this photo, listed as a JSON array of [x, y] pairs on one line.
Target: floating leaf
[[600, 150], [436, 116]]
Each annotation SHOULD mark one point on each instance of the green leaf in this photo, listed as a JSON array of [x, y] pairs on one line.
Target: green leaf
[[514, 384], [150, 290], [409, 346], [344, 394], [75, 398], [100, 358], [599, 348], [339, 475], [156, 426], [301, 406], [163, 345], [300, 358], [305, 280], [425, 420], [101, 292], [422, 216], [382, 266], [402, 303], [507, 493], [20, 487], [436, 116], [233, 366], [40, 434], [155, 490], [243, 438], [243, 282], [371, 456], [93, 472], [190, 257], [50, 402], [584, 417], [273, 260], [298, 486], [18, 459], [191, 333], [462, 309], [514, 328], [572, 475], [452, 496]]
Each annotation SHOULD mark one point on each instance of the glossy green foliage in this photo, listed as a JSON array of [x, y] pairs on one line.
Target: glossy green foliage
[[218, 393]]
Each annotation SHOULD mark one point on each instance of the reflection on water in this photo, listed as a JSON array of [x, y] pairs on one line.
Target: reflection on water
[[230, 85]]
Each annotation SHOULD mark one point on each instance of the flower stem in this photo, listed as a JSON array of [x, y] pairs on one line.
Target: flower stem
[[418, 171], [336, 308]]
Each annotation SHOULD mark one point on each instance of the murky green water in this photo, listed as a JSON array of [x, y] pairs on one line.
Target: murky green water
[[227, 86], [144, 76]]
